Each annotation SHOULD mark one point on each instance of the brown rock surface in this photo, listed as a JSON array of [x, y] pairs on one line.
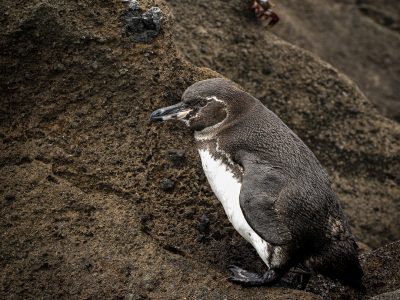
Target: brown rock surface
[[84, 209], [359, 37]]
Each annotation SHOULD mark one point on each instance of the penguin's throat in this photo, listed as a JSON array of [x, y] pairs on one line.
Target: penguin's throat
[[217, 152], [209, 133]]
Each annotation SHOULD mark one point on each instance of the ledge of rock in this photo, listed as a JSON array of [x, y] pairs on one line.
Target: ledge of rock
[[96, 202]]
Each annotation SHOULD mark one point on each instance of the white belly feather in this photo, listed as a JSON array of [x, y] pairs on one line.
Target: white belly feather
[[227, 189]]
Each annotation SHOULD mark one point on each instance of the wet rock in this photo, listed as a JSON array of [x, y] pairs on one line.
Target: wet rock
[[142, 27]]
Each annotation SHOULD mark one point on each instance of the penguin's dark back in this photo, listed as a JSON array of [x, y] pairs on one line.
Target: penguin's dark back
[[254, 128], [310, 207]]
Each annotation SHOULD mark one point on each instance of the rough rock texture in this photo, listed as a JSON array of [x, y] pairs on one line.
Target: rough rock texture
[[359, 37], [96, 202], [142, 27], [395, 295], [381, 275]]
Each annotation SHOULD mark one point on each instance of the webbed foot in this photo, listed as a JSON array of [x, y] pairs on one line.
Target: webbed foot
[[246, 278]]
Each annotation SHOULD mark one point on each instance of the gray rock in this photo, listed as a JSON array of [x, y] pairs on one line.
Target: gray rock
[[142, 27], [133, 4]]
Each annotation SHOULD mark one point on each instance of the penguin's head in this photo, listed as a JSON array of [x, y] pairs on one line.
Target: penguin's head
[[205, 104]]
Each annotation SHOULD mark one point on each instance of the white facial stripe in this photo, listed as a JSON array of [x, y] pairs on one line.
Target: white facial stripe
[[206, 133], [215, 99], [181, 116]]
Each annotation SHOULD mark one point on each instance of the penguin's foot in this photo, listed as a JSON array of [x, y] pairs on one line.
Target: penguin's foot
[[304, 279], [247, 278]]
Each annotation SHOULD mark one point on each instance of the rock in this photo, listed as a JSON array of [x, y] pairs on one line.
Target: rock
[[395, 295], [167, 184], [381, 269], [204, 224], [133, 4], [363, 24], [9, 198], [177, 157], [116, 215], [142, 27]]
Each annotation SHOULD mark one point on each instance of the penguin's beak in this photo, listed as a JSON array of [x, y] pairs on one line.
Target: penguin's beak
[[177, 111]]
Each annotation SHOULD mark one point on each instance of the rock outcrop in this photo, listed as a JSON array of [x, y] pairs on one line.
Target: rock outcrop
[[359, 37]]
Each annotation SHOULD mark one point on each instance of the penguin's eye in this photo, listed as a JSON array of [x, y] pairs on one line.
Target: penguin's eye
[[202, 102]]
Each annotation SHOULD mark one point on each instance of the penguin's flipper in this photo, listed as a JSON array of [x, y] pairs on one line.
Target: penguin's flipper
[[261, 187]]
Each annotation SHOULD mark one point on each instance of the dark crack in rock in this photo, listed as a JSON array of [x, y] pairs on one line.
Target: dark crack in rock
[[142, 27]]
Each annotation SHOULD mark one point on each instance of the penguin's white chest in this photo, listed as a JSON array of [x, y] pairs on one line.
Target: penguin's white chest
[[227, 189]]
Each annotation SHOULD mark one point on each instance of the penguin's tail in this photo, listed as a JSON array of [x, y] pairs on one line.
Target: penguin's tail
[[349, 271], [341, 263]]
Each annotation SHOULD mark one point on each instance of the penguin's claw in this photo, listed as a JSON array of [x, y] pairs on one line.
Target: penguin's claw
[[247, 278]]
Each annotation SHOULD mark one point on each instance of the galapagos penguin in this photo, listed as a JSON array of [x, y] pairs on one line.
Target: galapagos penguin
[[272, 187]]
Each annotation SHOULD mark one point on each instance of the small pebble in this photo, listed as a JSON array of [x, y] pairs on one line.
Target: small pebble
[[167, 184]]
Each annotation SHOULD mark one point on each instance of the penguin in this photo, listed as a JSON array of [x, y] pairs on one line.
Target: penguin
[[273, 189]]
